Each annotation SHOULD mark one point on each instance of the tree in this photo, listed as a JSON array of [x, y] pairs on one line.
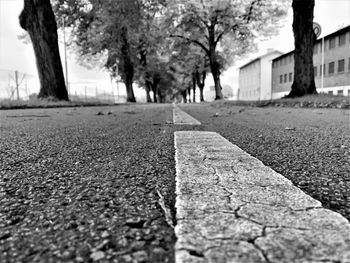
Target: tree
[[191, 64], [38, 19], [123, 30], [229, 26], [304, 38], [200, 79]]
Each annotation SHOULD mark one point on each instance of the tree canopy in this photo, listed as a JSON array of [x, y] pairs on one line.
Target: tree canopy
[[141, 38], [224, 27]]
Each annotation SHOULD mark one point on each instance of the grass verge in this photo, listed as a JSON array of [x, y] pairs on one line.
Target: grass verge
[[309, 101], [48, 103]]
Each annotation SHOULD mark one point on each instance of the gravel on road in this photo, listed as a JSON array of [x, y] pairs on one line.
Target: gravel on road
[[94, 184], [84, 184]]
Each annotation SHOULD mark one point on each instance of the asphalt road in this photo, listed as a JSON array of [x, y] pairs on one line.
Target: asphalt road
[[78, 186], [311, 147]]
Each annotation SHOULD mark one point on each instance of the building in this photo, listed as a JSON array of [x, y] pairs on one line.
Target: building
[[336, 66], [255, 77]]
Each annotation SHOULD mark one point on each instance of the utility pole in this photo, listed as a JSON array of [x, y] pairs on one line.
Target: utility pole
[[117, 79], [17, 84], [322, 64]]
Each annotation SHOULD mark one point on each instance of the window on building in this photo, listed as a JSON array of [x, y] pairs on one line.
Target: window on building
[[340, 92], [281, 78], [324, 69], [290, 76], [349, 64], [331, 68], [315, 71], [315, 48], [330, 92], [341, 65], [342, 39], [332, 42], [285, 78]]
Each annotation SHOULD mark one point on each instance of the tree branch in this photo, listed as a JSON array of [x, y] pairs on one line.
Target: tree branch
[[193, 41], [248, 16], [218, 38]]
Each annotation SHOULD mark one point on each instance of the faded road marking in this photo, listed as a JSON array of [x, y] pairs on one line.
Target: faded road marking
[[232, 208], [181, 117]]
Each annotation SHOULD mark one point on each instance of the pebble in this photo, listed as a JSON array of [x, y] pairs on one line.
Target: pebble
[[140, 256], [97, 255]]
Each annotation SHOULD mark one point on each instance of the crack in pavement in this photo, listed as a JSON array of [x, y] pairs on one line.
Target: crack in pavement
[[219, 188]]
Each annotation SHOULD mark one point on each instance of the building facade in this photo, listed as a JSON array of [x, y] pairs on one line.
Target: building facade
[[336, 66], [255, 78]]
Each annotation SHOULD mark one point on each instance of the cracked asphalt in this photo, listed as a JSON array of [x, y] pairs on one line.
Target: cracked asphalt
[[76, 186], [232, 208], [310, 147]]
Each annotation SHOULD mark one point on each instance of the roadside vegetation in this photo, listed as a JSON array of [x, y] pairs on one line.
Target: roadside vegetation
[[48, 103], [165, 46], [307, 101]]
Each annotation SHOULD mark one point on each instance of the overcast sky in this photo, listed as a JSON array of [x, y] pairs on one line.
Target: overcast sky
[[14, 55]]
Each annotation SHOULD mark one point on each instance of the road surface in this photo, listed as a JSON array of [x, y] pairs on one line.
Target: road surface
[[95, 184]]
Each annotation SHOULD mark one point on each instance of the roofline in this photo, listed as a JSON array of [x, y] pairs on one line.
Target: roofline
[[260, 57], [338, 32]]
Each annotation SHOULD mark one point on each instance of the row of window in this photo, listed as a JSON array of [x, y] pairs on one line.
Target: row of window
[[331, 43], [317, 48], [331, 67], [284, 78]]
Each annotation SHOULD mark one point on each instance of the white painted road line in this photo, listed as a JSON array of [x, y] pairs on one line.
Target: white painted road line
[[181, 117], [232, 208]]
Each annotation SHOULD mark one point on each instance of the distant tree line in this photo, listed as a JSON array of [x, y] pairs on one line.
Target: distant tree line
[[168, 47]]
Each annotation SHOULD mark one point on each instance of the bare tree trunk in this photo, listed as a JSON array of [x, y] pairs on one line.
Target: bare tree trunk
[[127, 67], [156, 79], [143, 62], [194, 86], [304, 38], [189, 94], [38, 19], [148, 90], [184, 95], [154, 90], [200, 83], [214, 64]]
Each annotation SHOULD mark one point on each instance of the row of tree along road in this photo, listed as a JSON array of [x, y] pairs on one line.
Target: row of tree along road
[[165, 46]]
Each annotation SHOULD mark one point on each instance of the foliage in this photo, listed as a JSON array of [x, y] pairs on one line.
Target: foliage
[[121, 31], [144, 40], [186, 60], [224, 29]]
